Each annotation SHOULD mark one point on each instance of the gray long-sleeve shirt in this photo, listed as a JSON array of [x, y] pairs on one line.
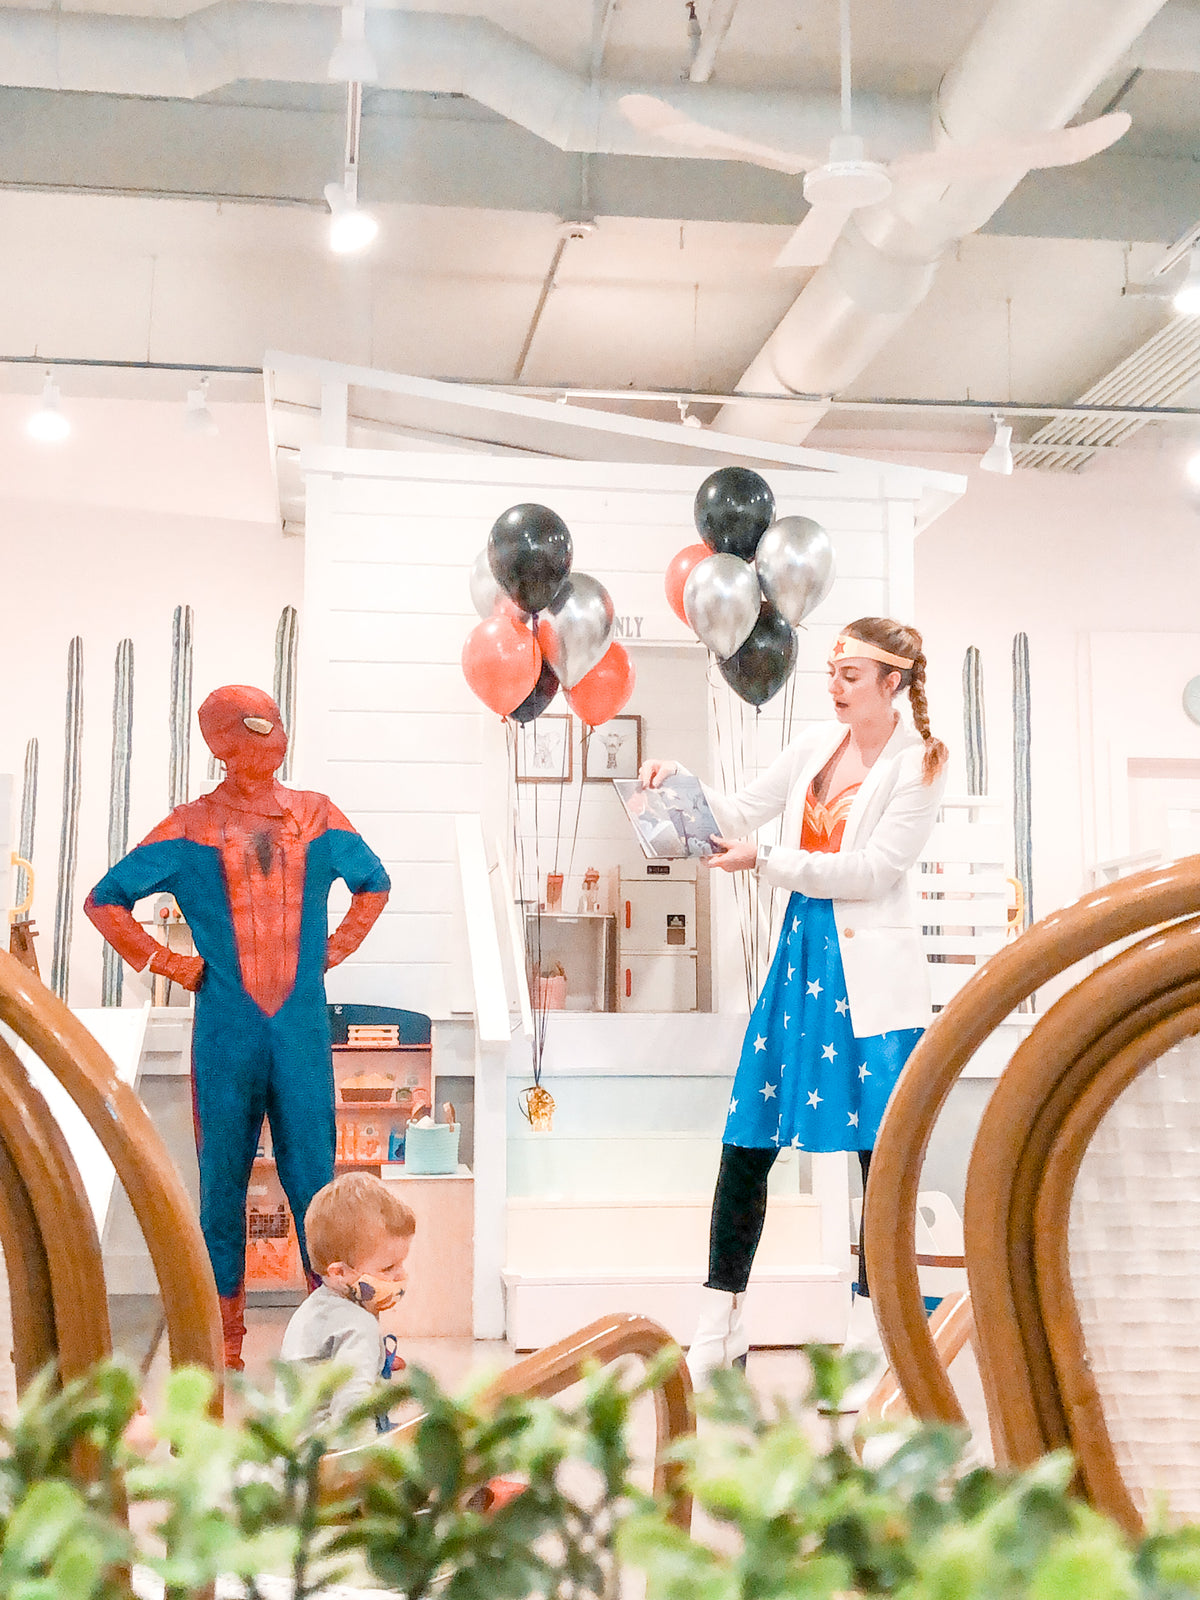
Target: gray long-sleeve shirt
[[330, 1328]]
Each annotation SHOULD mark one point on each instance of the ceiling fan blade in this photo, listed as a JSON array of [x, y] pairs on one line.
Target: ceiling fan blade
[[1063, 147], [816, 236], [659, 118], [1057, 147]]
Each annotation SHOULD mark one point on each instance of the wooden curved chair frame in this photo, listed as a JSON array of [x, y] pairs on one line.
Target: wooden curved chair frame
[[1069, 1053], [45, 1220], [1028, 1140], [548, 1372], [1087, 1427]]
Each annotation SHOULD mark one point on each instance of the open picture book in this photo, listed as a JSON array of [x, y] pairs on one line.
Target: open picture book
[[672, 820]]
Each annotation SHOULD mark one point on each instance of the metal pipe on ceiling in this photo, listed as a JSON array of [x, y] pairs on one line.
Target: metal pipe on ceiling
[[1088, 406], [1029, 67], [546, 290], [720, 15], [247, 41]]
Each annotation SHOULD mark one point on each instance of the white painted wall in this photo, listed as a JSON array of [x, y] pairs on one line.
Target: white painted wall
[[103, 536], [388, 724], [1075, 560]]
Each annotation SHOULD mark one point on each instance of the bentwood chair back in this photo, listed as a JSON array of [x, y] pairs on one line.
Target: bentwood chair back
[[47, 1230], [1082, 1249]]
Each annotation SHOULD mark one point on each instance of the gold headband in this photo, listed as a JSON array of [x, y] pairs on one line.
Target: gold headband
[[846, 646]]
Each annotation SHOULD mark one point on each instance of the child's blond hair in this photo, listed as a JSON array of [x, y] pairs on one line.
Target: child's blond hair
[[348, 1217]]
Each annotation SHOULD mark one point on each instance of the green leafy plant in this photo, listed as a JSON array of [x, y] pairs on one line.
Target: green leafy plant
[[793, 1516], [249, 1498], [786, 1512]]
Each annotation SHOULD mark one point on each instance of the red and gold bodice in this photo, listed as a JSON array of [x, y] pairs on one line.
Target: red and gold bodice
[[825, 820]]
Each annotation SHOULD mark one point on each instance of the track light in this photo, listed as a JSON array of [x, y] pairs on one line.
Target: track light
[[350, 227], [47, 423], [198, 418], [1187, 296], [998, 456], [352, 60]]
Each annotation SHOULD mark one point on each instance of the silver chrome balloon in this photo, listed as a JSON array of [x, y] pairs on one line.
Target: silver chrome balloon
[[576, 629], [795, 566], [722, 600], [485, 591]]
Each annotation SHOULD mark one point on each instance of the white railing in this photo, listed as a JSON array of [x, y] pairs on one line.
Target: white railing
[[964, 887], [494, 932]]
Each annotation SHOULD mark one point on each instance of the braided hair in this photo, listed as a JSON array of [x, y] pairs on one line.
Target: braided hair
[[899, 640]]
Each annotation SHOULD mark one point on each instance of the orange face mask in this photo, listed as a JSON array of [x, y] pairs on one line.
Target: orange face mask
[[374, 1294]]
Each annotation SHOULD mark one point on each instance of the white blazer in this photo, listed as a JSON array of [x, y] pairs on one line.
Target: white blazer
[[891, 817]]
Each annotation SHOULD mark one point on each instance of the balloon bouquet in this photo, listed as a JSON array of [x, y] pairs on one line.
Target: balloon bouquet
[[751, 583], [543, 628], [744, 591]]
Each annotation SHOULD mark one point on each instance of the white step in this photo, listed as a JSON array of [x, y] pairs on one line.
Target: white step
[[808, 1304]]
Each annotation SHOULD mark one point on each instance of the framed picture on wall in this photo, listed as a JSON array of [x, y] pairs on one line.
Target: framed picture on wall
[[544, 750], [613, 750]]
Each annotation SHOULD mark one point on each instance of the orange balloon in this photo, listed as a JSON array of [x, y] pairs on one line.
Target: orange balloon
[[501, 662], [677, 574], [606, 688]]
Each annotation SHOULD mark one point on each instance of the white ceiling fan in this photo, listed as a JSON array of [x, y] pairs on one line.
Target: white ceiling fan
[[845, 180]]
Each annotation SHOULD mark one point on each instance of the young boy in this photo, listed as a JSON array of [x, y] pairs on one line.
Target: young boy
[[359, 1233]]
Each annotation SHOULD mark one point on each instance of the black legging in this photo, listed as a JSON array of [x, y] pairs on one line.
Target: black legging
[[739, 1211]]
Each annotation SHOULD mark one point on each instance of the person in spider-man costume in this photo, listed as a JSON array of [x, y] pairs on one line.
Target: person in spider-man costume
[[251, 866]]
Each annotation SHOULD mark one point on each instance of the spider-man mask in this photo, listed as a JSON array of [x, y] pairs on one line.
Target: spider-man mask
[[243, 728]]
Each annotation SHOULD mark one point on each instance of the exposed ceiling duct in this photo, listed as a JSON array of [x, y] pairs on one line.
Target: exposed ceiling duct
[[245, 41], [1155, 374], [1172, 41], [1030, 66]]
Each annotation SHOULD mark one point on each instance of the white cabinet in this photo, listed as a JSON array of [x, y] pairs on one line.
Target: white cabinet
[[657, 914], [656, 934], [656, 983]]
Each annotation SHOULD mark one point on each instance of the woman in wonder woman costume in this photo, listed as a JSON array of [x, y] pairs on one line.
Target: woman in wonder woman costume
[[847, 996]]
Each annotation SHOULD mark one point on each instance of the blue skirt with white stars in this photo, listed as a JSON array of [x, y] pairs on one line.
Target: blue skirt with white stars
[[803, 1079]]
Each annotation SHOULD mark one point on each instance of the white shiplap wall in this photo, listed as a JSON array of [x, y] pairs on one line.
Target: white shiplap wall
[[388, 727]]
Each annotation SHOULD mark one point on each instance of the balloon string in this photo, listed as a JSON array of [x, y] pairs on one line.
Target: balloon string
[[537, 988], [585, 738], [562, 783], [540, 1006], [727, 766], [775, 903]]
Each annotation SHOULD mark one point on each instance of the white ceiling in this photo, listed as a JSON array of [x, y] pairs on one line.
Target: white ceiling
[[180, 231]]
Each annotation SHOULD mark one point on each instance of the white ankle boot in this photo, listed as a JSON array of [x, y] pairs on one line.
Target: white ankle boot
[[863, 1334], [720, 1338]]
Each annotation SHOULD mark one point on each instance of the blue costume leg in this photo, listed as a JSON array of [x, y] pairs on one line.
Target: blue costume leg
[[231, 1056], [300, 1106]]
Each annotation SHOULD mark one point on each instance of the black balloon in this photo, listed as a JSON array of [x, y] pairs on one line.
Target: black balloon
[[539, 697], [734, 508], [764, 663], [529, 552]]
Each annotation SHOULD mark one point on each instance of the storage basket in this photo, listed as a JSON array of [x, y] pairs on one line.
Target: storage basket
[[431, 1150], [353, 1096]]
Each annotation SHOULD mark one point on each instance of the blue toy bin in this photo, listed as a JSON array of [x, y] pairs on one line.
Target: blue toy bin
[[433, 1150]]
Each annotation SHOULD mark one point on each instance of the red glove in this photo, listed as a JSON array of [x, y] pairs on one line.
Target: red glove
[[365, 908], [187, 971]]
